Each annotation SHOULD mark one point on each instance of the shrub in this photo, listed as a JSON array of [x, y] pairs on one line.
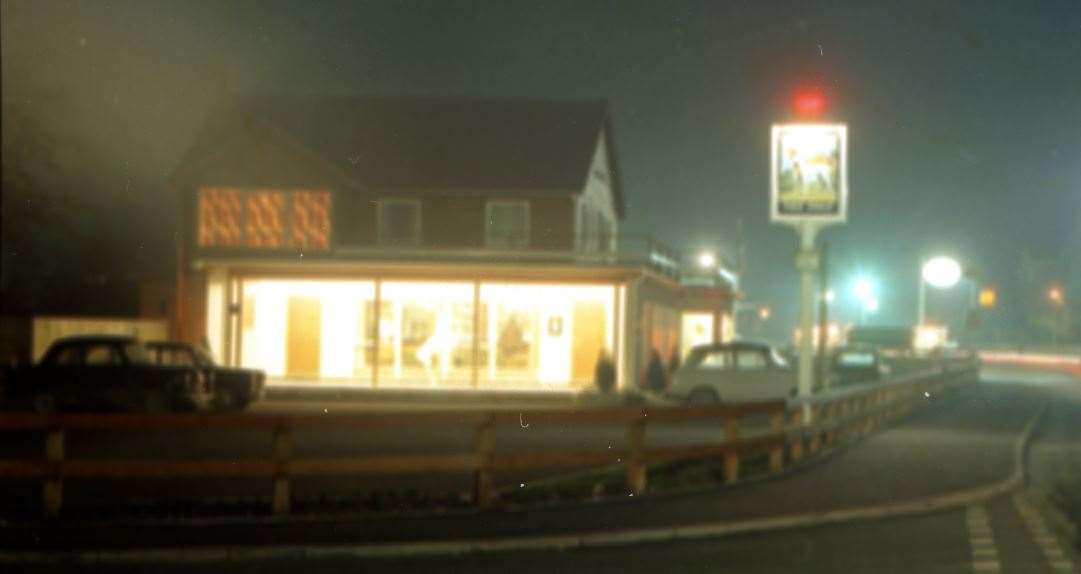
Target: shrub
[[673, 362], [604, 375], [656, 377]]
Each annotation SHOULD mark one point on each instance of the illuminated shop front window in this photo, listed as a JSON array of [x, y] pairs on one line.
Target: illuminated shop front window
[[264, 219], [308, 329], [426, 334], [546, 334], [697, 329]]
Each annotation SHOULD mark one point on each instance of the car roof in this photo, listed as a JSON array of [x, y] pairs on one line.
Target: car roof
[[753, 345], [169, 344], [82, 339]]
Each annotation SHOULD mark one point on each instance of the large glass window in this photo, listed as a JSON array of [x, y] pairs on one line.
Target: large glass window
[[301, 330], [697, 329], [399, 222], [426, 334], [507, 226], [552, 334]]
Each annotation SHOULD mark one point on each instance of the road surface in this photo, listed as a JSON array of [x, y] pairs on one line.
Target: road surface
[[959, 443]]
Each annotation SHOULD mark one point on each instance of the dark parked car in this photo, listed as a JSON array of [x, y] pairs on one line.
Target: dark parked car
[[858, 364], [233, 388], [104, 373]]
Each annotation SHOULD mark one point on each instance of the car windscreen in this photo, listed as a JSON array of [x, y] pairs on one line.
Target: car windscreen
[[778, 359], [137, 354], [856, 360]]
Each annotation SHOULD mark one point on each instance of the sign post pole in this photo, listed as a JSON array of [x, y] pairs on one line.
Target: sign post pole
[[807, 264]]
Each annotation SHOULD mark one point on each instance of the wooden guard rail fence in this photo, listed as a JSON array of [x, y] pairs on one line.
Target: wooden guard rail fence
[[786, 440]]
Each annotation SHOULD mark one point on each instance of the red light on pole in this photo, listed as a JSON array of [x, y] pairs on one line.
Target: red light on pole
[[809, 103]]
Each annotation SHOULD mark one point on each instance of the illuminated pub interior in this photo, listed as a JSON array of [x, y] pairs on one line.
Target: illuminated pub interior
[[428, 242]]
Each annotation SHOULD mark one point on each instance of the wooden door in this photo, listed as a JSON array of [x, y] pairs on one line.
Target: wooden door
[[303, 337], [589, 340]]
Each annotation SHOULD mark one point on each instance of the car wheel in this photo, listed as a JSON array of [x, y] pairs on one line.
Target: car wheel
[[702, 397], [44, 404]]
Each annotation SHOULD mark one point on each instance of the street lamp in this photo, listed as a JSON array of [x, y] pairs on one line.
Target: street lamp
[[707, 260], [764, 313], [863, 289], [1055, 296], [941, 273]]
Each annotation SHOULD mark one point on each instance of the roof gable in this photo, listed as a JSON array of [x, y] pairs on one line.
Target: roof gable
[[432, 144]]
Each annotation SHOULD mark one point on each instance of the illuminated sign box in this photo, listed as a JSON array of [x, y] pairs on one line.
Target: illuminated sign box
[[809, 173]]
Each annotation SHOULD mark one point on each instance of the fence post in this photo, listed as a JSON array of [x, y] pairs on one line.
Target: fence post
[[282, 448], [52, 492], [636, 464], [816, 434], [731, 456], [831, 413], [776, 452], [797, 446], [483, 448]]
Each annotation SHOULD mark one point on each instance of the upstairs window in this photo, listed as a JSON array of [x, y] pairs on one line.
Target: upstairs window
[[399, 223], [264, 219], [507, 225]]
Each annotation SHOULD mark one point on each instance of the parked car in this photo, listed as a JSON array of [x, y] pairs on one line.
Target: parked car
[[733, 373], [857, 364], [233, 388], [105, 373]]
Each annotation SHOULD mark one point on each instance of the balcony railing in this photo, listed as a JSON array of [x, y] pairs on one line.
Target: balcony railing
[[616, 250], [625, 250]]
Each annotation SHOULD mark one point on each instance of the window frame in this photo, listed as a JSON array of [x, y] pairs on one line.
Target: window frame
[[489, 207], [418, 225]]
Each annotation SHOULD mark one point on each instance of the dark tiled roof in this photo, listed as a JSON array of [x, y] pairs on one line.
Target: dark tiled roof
[[429, 144]]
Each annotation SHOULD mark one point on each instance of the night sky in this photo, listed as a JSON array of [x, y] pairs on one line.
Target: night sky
[[964, 117]]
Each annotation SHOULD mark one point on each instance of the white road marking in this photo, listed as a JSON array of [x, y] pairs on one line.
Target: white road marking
[[1042, 536], [981, 540]]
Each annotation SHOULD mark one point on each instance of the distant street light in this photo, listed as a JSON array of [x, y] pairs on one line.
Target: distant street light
[[863, 289], [764, 313], [940, 272], [707, 260], [830, 296], [1055, 296]]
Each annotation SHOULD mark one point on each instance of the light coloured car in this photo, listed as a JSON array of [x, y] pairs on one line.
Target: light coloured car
[[738, 372]]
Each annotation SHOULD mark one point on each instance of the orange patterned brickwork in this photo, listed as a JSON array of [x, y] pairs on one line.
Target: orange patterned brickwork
[[311, 219], [264, 225], [264, 219], [219, 217]]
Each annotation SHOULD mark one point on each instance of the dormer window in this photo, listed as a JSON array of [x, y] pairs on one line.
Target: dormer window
[[399, 222], [507, 224]]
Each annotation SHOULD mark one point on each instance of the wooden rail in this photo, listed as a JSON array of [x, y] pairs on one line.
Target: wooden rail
[[786, 440]]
